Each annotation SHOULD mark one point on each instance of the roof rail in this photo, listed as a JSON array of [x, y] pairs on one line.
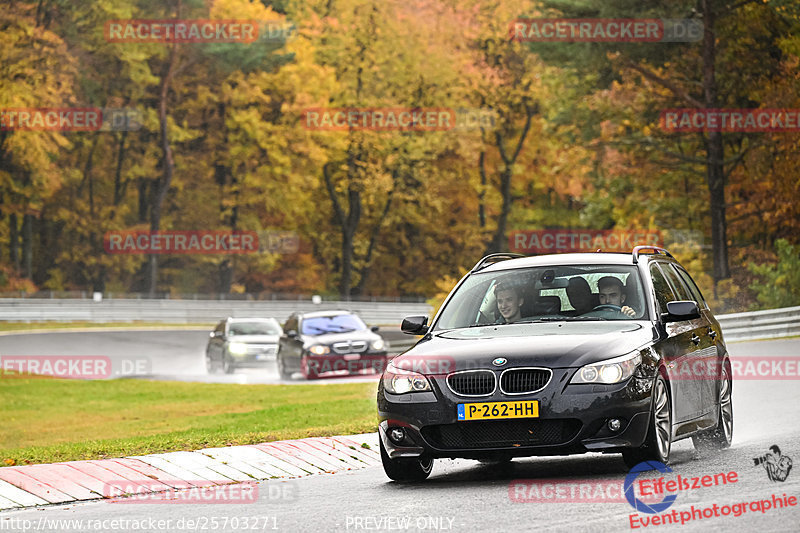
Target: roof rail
[[495, 258], [656, 250]]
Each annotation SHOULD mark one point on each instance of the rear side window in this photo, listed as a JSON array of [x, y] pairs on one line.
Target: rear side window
[[693, 288], [675, 282], [663, 293]]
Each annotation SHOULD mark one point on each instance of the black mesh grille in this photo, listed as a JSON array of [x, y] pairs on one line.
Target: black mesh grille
[[501, 433], [524, 380], [479, 383]]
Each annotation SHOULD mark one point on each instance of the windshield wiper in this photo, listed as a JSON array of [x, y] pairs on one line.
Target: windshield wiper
[[542, 319], [559, 319]]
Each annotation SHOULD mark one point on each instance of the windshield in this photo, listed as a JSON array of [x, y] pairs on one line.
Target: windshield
[[332, 324], [550, 293], [254, 328]]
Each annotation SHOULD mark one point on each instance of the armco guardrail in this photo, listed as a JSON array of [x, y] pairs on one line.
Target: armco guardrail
[[192, 311], [772, 323]]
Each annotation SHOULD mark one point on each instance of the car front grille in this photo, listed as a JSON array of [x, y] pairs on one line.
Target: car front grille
[[501, 433], [524, 380], [350, 347], [472, 382]]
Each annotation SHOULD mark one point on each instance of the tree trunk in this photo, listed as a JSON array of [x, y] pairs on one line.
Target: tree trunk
[[499, 242], [13, 242], [162, 186], [348, 224], [27, 244], [715, 150], [119, 186]]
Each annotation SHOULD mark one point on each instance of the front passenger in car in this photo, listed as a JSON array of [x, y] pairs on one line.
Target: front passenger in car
[[509, 302]]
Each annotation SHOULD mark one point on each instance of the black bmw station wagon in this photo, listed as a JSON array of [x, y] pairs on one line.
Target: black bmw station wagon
[[559, 354]]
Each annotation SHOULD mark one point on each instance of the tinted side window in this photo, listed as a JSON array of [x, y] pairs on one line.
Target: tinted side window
[[674, 281], [663, 293], [695, 290]]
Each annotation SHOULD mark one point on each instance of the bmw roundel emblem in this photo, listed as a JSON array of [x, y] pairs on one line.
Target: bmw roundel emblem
[[500, 361]]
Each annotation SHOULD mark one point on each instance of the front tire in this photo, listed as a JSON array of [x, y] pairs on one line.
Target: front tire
[[282, 372], [406, 469], [658, 442], [719, 437], [228, 366], [211, 368]]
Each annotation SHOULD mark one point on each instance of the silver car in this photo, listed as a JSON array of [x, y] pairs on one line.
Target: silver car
[[239, 342]]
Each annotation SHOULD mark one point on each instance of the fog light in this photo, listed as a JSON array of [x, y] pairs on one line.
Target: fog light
[[614, 424], [397, 435]]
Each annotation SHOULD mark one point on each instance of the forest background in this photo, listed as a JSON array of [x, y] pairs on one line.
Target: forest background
[[574, 142]]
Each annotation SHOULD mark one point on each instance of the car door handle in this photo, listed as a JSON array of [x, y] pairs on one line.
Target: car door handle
[[712, 333], [695, 339]]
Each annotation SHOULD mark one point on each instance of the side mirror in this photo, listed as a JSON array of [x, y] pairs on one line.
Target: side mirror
[[291, 333], [415, 325], [374, 329], [681, 310]]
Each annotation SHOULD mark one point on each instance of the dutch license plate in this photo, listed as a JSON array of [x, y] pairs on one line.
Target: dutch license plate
[[496, 410]]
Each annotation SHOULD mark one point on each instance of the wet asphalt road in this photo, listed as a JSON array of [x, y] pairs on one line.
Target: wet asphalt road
[[460, 495]]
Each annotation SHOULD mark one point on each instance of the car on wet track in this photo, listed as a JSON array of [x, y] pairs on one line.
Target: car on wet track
[[242, 342], [329, 343], [556, 355]]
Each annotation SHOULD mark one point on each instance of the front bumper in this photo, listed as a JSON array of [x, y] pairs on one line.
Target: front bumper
[[344, 363], [572, 419], [255, 356]]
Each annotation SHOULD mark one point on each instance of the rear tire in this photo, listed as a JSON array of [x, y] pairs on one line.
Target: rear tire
[[406, 469], [658, 442], [719, 437]]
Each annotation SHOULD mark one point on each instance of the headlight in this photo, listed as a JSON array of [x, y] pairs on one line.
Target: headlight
[[319, 349], [378, 344], [237, 348], [398, 381], [611, 371]]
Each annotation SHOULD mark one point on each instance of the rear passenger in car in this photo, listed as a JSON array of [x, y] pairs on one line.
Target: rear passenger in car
[[580, 296]]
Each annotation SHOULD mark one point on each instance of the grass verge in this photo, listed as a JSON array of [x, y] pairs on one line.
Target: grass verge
[[50, 420]]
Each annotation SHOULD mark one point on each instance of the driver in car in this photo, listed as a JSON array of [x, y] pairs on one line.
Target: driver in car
[[612, 292], [509, 302]]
